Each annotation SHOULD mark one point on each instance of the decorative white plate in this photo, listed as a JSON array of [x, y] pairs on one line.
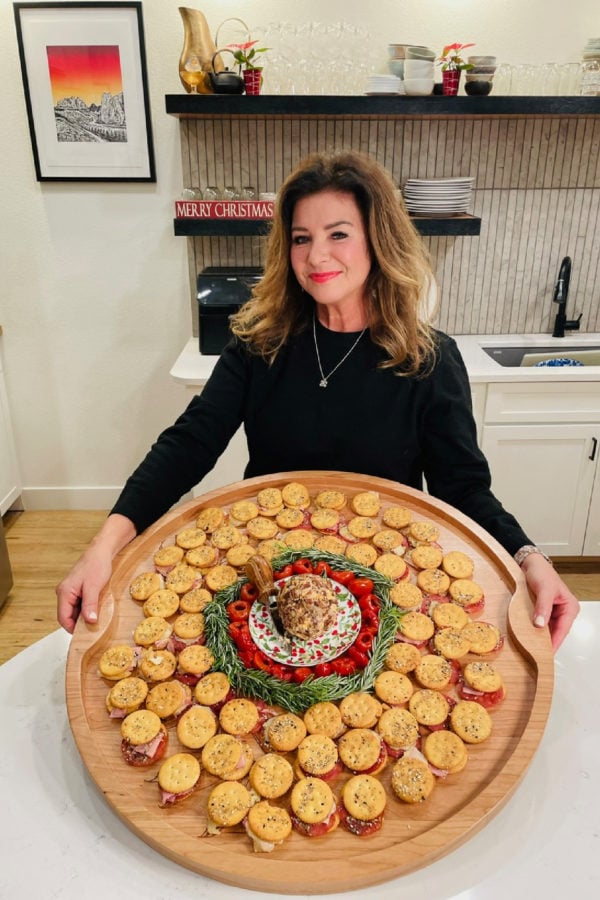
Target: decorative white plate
[[293, 651], [467, 179]]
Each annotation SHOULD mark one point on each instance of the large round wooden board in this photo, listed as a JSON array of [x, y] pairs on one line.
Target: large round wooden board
[[411, 837]]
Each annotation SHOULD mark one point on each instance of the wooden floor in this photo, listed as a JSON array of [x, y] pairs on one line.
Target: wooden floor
[[43, 545]]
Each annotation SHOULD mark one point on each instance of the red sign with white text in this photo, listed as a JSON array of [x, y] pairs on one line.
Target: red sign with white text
[[224, 209]]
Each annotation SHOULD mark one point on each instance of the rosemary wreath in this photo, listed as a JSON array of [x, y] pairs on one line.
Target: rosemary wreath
[[296, 697]]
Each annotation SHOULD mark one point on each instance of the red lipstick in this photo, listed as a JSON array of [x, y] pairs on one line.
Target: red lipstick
[[322, 277]]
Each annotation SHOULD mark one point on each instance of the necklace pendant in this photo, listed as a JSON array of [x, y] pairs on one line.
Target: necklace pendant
[[323, 382]]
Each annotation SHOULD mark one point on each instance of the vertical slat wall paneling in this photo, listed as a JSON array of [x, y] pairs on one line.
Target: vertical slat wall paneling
[[536, 189]]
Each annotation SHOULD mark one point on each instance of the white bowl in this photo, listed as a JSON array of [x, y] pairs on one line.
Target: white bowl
[[482, 70], [472, 77], [396, 51], [418, 87], [482, 60], [418, 68], [413, 51], [396, 67]]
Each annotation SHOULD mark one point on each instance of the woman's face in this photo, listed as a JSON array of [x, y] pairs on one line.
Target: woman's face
[[329, 250]]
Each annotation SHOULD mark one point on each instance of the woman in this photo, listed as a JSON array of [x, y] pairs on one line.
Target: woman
[[331, 367]]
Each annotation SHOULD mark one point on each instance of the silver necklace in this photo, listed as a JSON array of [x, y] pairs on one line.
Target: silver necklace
[[325, 378]]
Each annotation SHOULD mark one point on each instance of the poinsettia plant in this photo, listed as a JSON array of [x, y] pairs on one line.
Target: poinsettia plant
[[246, 54], [451, 59]]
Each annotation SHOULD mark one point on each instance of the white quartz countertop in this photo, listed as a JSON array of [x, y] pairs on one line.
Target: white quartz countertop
[[61, 840], [192, 368], [482, 367]]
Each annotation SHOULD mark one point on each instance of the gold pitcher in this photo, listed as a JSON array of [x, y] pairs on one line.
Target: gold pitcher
[[199, 49]]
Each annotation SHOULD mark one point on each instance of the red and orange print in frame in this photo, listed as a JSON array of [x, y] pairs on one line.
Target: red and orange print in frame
[[87, 92]]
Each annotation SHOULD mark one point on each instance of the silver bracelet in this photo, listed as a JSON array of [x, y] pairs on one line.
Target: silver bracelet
[[524, 552]]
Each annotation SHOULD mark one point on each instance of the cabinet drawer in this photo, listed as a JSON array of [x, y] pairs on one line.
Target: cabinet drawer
[[526, 402]]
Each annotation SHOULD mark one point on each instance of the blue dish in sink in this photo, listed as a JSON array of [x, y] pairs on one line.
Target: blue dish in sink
[[559, 361]]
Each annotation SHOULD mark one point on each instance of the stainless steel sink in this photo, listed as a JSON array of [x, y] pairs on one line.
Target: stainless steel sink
[[514, 356]]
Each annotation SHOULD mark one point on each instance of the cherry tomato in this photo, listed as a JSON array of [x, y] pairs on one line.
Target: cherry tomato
[[239, 610], [249, 592], [302, 567], [342, 577], [285, 572], [262, 661], [360, 586], [323, 669], [322, 568], [358, 656], [301, 674], [343, 665]]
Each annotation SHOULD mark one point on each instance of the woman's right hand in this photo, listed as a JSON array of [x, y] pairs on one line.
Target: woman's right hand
[[77, 594]]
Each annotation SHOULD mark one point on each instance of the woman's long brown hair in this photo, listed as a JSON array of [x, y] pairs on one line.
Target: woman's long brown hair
[[397, 283]]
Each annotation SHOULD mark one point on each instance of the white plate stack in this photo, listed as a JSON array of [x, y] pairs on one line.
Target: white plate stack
[[438, 196], [592, 49], [590, 69], [384, 84]]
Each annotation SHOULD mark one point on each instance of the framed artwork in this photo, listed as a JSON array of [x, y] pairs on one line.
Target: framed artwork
[[86, 90]]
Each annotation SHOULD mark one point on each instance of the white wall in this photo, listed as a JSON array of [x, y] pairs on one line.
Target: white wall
[[94, 298]]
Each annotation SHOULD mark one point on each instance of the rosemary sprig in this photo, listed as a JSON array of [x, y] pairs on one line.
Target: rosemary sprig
[[296, 697]]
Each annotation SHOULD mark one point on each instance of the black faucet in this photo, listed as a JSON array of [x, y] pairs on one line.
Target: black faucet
[[561, 295]]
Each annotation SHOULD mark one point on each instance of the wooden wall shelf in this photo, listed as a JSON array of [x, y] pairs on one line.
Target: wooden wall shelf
[[359, 106], [450, 225]]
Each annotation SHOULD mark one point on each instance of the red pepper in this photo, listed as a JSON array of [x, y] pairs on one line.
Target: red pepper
[[262, 661], [361, 659], [342, 577], [364, 641], [249, 592], [240, 635], [239, 610], [247, 656], [284, 673], [301, 674], [323, 669], [322, 568], [285, 572], [370, 602], [302, 567], [236, 629], [370, 621], [343, 665], [360, 586]]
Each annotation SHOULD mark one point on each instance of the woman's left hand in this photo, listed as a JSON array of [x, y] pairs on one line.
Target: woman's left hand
[[555, 605]]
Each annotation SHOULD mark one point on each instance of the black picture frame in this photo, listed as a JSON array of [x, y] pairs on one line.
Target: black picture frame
[[86, 90]]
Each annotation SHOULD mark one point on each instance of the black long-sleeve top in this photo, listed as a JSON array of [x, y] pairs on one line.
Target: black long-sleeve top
[[367, 420]]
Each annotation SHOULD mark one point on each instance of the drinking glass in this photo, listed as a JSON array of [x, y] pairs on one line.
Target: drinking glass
[[503, 79], [569, 83], [211, 192], [191, 193]]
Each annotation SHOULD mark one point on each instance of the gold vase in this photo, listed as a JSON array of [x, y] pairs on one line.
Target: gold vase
[[196, 60]]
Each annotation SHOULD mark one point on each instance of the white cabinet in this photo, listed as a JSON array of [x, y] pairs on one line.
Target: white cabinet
[[591, 546], [542, 441], [10, 486], [478, 396]]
